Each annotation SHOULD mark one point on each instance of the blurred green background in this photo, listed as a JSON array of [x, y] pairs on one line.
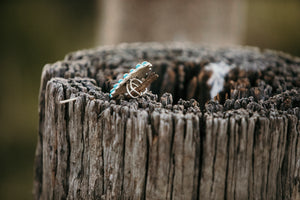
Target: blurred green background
[[34, 33]]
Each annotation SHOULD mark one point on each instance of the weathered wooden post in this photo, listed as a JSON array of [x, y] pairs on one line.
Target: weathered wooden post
[[175, 143]]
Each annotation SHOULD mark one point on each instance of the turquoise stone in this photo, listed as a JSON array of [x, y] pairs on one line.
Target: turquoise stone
[[116, 85], [125, 75], [120, 80], [145, 63], [112, 90], [131, 70], [137, 66]]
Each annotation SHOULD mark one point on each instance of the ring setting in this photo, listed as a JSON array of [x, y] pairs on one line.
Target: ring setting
[[134, 83]]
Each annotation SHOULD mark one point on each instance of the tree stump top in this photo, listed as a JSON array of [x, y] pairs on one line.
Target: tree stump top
[[177, 141]]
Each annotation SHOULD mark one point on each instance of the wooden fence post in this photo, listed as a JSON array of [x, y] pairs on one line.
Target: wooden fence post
[[174, 143], [214, 22]]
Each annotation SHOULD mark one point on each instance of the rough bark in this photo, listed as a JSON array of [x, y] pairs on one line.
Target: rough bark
[[159, 146]]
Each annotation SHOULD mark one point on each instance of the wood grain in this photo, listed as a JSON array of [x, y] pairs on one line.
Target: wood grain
[[169, 146]]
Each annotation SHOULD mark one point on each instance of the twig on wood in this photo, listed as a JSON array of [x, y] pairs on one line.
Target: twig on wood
[[68, 100]]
